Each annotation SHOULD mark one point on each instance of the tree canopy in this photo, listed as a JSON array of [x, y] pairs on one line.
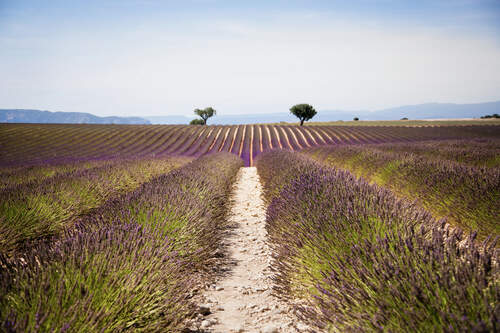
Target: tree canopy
[[303, 111], [197, 122], [490, 116], [205, 113]]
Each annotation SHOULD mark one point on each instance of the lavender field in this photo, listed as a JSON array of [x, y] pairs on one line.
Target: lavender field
[[35, 144], [364, 260], [458, 179], [112, 228]]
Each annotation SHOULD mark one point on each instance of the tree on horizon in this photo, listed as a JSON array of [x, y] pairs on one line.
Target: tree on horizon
[[303, 111], [205, 113], [197, 122]]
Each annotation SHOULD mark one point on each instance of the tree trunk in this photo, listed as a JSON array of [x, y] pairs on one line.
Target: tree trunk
[[301, 122]]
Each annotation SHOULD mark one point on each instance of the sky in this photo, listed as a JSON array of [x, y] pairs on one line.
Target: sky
[[153, 58]]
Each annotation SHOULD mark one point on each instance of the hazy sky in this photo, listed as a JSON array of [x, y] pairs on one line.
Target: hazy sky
[[132, 57]]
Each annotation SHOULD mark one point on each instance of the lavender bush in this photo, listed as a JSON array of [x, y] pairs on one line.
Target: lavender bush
[[129, 264], [473, 152], [468, 196], [114, 278], [44, 207], [365, 261]]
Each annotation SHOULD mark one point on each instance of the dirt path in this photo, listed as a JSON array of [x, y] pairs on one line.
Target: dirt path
[[241, 301]]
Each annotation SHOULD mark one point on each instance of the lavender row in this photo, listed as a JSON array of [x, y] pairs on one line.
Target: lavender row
[[131, 264], [12, 177], [474, 152], [362, 260], [188, 201], [41, 208], [56, 144], [468, 196]]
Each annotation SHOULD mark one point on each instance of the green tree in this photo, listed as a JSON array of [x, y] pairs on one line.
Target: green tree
[[303, 111], [205, 113], [355, 118], [197, 122], [490, 116]]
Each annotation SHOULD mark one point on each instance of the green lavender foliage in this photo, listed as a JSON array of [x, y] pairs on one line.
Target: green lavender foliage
[[114, 278], [24, 145], [467, 195], [474, 152], [45, 206], [128, 265], [365, 261]]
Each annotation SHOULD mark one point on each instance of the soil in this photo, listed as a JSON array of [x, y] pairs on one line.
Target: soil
[[242, 300]]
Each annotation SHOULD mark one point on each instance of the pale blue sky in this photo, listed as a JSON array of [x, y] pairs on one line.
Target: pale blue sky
[[150, 57]]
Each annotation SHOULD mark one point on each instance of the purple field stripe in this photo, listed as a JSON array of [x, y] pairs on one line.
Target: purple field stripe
[[168, 134], [333, 139], [275, 137], [349, 137], [242, 141], [256, 142], [292, 139], [246, 145], [371, 136], [314, 137], [165, 147], [211, 143], [358, 135], [396, 132], [137, 141], [337, 135], [203, 140], [284, 139], [266, 137], [114, 143], [196, 135], [378, 136], [236, 143], [327, 137], [227, 144], [183, 137], [304, 135], [222, 139], [299, 135], [146, 147]]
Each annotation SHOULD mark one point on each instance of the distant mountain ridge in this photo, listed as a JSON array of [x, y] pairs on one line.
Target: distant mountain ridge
[[415, 112], [46, 117], [439, 110]]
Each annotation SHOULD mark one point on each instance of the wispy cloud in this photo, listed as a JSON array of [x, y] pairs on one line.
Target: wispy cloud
[[171, 59]]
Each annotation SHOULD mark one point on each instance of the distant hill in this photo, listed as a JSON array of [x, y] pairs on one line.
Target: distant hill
[[45, 117], [414, 112], [437, 111], [419, 111]]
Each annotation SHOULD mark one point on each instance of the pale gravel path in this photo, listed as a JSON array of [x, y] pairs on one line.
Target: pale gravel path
[[241, 301]]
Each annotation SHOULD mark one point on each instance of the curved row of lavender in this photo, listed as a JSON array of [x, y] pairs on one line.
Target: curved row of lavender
[[39, 202], [35, 144], [363, 260], [130, 264], [467, 195], [480, 152]]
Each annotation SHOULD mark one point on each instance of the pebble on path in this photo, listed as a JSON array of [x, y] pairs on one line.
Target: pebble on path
[[241, 297]]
